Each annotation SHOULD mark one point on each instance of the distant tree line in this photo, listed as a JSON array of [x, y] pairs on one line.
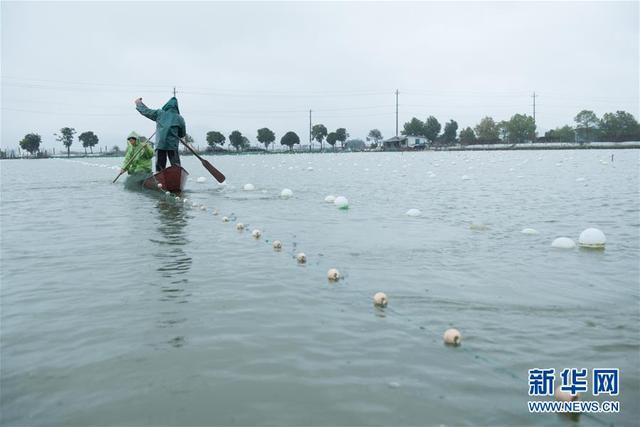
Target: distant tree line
[[267, 137], [612, 127], [31, 141]]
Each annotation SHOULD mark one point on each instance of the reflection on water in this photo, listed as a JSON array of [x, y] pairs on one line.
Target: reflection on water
[[173, 263]]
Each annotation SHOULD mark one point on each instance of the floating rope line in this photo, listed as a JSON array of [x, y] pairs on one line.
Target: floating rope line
[[469, 352], [465, 350]]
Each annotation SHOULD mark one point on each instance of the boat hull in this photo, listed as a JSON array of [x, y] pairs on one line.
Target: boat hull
[[173, 179]]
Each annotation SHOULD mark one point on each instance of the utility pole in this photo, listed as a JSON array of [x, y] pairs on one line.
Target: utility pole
[[396, 112], [534, 115], [310, 131], [174, 91]]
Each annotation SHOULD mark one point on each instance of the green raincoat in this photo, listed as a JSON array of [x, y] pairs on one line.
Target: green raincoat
[[143, 154], [170, 126]]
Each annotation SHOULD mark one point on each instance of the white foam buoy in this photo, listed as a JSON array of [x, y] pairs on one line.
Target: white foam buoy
[[203, 208], [201, 179], [309, 168], [214, 212], [301, 258], [333, 275], [177, 198], [239, 226], [465, 177], [286, 193], [159, 185], [565, 396], [256, 233], [225, 219], [563, 243], [341, 202], [330, 199], [452, 337], [249, 187], [166, 193], [380, 299], [413, 212], [277, 245], [592, 238], [529, 231]]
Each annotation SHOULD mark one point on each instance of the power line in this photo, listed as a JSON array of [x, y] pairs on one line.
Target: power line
[[58, 113]]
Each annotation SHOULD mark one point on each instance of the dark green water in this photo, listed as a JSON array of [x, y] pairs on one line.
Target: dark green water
[[123, 307]]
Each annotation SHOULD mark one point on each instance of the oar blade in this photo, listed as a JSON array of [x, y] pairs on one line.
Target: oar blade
[[219, 176]]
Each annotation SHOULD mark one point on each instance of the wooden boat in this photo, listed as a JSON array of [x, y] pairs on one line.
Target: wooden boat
[[173, 179]]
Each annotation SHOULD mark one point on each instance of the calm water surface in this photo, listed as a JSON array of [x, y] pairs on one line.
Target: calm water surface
[[123, 307]]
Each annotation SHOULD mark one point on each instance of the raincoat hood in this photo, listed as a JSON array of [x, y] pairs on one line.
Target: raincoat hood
[[133, 134], [171, 105]]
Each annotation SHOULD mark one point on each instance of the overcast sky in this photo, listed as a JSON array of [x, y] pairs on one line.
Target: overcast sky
[[250, 65]]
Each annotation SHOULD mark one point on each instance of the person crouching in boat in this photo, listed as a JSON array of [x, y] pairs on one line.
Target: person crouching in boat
[[170, 127], [137, 158]]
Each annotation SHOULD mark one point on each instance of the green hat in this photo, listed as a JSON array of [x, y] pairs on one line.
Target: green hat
[[133, 134]]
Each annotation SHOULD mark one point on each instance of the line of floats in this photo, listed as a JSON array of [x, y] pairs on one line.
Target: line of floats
[[173, 181]]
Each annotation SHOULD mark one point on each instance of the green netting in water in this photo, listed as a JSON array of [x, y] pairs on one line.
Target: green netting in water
[[134, 181]]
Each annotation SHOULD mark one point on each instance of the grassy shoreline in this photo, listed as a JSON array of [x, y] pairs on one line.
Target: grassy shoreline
[[489, 147]]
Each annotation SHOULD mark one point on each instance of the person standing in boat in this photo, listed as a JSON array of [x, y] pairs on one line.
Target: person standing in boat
[[137, 158], [170, 127]]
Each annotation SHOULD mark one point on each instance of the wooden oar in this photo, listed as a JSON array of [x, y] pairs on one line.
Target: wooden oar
[[219, 176], [124, 169]]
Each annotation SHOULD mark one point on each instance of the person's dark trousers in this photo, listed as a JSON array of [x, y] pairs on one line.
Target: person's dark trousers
[[161, 160]]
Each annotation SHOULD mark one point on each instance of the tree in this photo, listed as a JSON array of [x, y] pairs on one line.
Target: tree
[[236, 140], [245, 143], [115, 149], [487, 131], [341, 135], [450, 131], [88, 139], [431, 128], [266, 137], [467, 136], [290, 139], [215, 137], [332, 138], [319, 132], [414, 127], [587, 121], [31, 142], [66, 137], [621, 126], [521, 128], [375, 135], [563, 134]]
